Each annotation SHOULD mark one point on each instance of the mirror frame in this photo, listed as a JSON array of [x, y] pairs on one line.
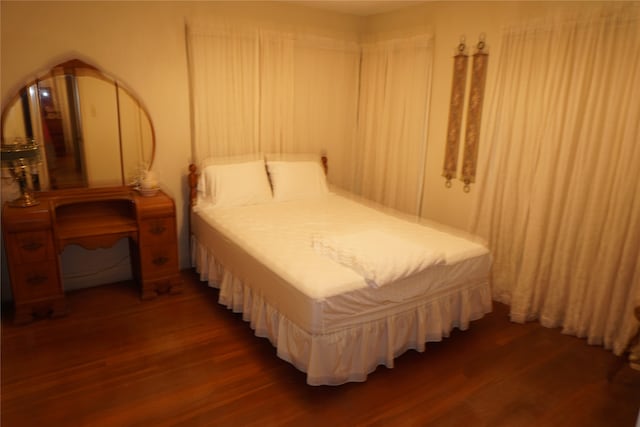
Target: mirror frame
[[77, 67]]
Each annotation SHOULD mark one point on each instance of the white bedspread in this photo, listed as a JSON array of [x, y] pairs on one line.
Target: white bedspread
[[380, 257], [321, 315]]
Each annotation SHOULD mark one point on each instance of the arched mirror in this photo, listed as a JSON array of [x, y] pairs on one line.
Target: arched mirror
[[91, 131]]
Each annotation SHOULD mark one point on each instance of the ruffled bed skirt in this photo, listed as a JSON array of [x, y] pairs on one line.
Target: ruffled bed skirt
[[351, 353]]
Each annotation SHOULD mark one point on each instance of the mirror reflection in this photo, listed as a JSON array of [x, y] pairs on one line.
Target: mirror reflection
[[91, 131]]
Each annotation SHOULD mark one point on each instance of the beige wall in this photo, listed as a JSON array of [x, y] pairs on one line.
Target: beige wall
[[142, 44]]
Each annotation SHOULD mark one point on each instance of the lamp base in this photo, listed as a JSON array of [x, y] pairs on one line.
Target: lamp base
[[24, 201]]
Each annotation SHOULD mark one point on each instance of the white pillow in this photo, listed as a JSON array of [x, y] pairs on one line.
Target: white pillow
[[297, 180], [205, 186], [235, 184]]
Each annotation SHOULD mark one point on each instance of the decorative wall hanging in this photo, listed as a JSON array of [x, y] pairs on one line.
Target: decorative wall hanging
[[474, 115], [460, 63]]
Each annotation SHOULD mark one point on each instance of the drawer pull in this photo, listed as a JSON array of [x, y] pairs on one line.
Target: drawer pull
[[161, 260], [157, 229], [36, 279], [32, 246]]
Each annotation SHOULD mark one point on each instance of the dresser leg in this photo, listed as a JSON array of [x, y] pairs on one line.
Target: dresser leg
[[58, 308], [26, 313], [148, 293], [175, 286], [23, 315], [152, 289]]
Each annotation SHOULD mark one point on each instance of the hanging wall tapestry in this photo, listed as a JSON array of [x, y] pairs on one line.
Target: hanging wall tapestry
[[474, 114], [460, 61]]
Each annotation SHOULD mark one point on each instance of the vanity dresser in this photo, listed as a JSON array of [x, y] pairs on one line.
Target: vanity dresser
[[93, 138], [92, 218]]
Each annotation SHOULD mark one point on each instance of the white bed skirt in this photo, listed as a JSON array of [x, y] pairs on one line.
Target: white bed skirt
[[349, 354]]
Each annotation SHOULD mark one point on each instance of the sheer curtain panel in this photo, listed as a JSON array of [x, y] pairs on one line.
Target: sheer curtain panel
[[326, 99], [275, 97], [559, 187], [390, 149], [224, 75], [267, 90]]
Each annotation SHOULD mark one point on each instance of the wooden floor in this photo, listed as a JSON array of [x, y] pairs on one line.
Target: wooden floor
[[185, 360]]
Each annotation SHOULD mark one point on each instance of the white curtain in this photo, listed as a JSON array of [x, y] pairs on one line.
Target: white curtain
[[275, 101], [559, 184], [326, 94], [364, 106], [271, 91], [224, 76], [395, 81]]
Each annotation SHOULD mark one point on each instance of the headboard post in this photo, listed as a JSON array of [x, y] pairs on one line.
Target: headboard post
[[193, 199], [193, 185]]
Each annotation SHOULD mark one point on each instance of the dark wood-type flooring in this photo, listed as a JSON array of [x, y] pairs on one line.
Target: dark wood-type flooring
[[185, 360]]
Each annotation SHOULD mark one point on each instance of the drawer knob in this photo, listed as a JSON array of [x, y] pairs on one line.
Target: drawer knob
[[36, 279], [157, 229], [32, 245], [161, 260]]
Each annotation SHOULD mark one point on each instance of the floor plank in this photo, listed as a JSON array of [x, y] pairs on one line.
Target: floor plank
[[184, 360]]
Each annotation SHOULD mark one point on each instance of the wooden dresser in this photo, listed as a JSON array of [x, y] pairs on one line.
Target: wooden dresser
[[92, 218]]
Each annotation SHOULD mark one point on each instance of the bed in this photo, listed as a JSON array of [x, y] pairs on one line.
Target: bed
[[338, 285]]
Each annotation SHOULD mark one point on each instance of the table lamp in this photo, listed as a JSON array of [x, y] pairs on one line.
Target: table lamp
[[19, 158]]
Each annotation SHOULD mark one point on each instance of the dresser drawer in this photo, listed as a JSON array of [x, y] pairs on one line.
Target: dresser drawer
[[35, 281], [157, 231], [32, 246], [158, 260]]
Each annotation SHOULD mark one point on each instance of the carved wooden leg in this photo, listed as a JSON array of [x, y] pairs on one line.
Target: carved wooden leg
[[148, 293], [175, 286], [153, 288], [58, 308], [26, 313], [23, 315]]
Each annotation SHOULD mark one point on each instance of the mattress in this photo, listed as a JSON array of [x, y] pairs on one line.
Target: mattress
[[266, 252]]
